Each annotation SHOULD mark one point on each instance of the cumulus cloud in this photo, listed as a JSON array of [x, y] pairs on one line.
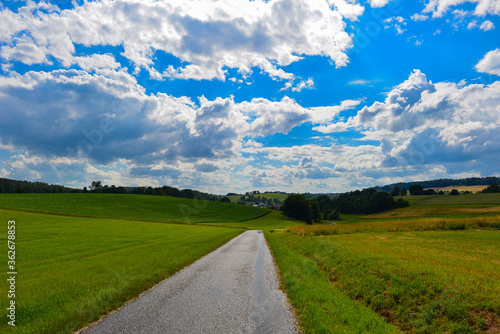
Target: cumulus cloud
[[483, 7], [106, 116], [487, 25], [490, 63], [423, 122], [378, 3], [207, 36]]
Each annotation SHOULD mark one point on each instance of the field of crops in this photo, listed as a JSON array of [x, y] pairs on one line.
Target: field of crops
[[72, 270], [134, 207]]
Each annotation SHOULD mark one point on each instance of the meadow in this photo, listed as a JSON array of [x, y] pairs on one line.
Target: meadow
[[72, 270], [421, 282], [433, 267], [134, 207]]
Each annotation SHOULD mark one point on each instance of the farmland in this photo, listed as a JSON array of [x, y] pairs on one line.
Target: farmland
[[134, 207], [72, 270], [430, 267]]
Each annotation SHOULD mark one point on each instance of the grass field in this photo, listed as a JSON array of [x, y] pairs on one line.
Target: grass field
[[431, 267], [422, 282], [274, 220], [134, 207], [280, 197], [72, 270]]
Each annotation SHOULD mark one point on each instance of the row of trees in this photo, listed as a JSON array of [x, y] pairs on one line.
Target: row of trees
[[366, 201], [442, 183], [98, 187], [14, 186]]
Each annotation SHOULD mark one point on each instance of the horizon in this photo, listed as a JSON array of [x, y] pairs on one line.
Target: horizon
[[323, 96]]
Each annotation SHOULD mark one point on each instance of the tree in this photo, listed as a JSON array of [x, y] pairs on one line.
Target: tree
[[494, 188], [404, 192], [454, 192], [416, 190], [395, 191], [225, 199], [296, 207], [334, 215], [314, 213], [96, 186]]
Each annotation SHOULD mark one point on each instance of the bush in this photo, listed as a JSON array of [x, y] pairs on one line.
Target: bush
[[334, 215], [401, 203], [454, 192]]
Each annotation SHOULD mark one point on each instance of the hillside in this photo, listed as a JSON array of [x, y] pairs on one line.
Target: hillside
[[133, 207], [442, 183]]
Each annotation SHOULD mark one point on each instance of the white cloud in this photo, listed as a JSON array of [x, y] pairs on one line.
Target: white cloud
[[483, 7], [487, 26], [490, 63], [208, 36], [348, 9], [309, 84], [397, 22], [419, 17], [96, 61], [378, 3], [421, 122]]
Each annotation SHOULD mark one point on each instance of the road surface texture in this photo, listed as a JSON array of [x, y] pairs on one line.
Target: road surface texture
[[231, 290]]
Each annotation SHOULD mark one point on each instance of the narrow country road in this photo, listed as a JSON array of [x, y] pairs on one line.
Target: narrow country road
[[231, 290]]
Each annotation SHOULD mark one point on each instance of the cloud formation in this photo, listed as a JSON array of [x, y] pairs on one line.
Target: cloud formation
[[209, 37], [439, 7], [490, 63]]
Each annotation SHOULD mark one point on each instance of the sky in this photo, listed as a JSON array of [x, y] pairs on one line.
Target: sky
[[319, 96]]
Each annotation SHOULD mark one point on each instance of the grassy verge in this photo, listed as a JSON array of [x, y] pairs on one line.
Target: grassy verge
[[319, 305], [422, 282], [133, 207], [72, 270]]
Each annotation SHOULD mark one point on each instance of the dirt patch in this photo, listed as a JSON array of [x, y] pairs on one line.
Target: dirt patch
[[491, 322]]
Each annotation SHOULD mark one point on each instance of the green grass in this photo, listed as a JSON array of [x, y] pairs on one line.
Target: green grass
[[320, 306], [274, 220], [280, 197], [72, 270], [134, 207], [423, 282]]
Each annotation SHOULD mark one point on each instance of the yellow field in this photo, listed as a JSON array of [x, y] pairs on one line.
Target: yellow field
[[472, 189]]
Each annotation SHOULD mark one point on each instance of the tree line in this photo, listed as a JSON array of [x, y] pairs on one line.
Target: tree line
[[323, 207]]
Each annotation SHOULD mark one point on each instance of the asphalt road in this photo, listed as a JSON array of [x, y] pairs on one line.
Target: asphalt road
[[231, 290]]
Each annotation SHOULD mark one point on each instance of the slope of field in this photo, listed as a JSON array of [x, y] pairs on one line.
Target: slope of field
[[72, 270], [468, 199], [272, 221], [422, 282], [135, 207], [472, 189]]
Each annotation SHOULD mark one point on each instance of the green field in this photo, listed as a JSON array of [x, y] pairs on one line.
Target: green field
[[72, 270], [280, 197], [134, 207], [274, 220], [422, 282], [433, 267]]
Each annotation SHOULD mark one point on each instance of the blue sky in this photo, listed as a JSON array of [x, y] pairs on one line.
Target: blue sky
[[232, 96]]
